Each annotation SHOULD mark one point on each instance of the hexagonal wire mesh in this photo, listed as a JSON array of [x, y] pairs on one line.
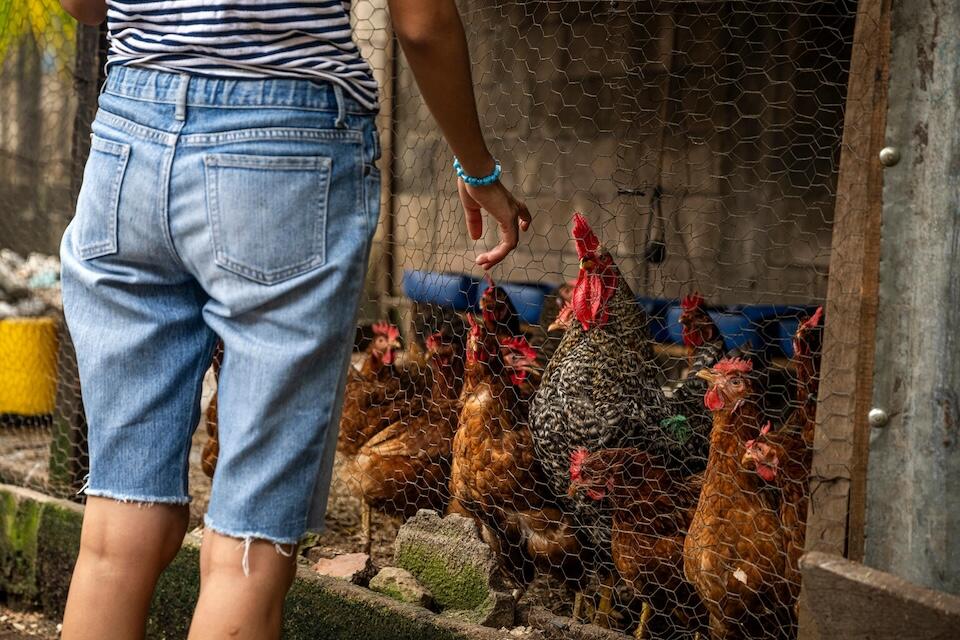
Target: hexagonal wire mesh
[[586, 411]]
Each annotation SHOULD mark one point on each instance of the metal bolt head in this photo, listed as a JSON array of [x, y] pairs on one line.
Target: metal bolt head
[[878, 417], [889, 156]]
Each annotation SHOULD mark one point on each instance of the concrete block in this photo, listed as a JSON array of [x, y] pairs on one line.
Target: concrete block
[[448, 557]]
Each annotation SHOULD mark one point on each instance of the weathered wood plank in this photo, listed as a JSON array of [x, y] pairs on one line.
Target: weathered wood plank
[[854, 602], [846, 376], [913, 498], [838, 478]]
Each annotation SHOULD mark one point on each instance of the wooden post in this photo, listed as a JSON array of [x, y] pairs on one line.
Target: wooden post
[[839, 463], [838, 478], [913, 488]]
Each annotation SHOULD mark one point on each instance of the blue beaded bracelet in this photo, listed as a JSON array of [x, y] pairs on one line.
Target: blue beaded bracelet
[[478, 182]]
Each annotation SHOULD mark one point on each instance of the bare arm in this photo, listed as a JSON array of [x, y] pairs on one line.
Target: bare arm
[[90, 12], [433, 39]]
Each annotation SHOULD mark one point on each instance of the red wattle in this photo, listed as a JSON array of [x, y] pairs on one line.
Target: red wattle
[[388, 357], [766, 472], [581, 300], [713, 400]]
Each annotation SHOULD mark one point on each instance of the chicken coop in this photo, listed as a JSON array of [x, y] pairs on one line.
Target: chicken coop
[[706, 357]]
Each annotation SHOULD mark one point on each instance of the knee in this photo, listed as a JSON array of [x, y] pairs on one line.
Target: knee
[[125, 533], [235, 558]]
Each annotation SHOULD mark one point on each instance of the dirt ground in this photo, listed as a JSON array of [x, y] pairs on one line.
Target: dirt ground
[[16, 625], [24, 454]]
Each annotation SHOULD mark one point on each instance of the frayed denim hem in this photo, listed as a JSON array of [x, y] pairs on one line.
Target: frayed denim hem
[[246, 539], [142, 501]]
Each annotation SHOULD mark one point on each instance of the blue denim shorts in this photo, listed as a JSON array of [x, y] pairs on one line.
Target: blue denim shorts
[[238, 209]]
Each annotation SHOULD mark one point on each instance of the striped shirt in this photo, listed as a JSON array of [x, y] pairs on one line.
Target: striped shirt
[[242, 39]]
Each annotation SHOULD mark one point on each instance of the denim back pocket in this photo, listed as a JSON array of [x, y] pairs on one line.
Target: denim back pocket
[[268, 213], [99, 200]]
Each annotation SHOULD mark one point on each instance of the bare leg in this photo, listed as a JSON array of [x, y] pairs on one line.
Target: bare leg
[[237, 605], [123, 549]]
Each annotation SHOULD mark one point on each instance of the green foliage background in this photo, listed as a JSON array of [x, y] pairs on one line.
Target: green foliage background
[[51, 27]]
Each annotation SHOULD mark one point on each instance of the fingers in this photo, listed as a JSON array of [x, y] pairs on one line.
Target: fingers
[[471, 211], [511, 215], [524, 215], [509, 238]]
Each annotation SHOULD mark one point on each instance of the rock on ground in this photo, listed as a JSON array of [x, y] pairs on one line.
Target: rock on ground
[[401, 585], [357, 568], [448, 557]]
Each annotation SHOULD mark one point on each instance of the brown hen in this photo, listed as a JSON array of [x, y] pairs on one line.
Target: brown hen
[[735, 553], [652, 509], [783, 458], [377, 395], [406, 466], [495, 477]]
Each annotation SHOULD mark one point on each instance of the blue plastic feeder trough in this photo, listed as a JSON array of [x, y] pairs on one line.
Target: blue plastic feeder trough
[[527, 297], [456, 290], [736, 327]]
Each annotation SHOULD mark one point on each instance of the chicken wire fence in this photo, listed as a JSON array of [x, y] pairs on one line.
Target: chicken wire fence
[[626, 406]]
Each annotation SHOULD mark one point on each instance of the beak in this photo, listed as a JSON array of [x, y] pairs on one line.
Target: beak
[[554, 326], [706, 374], [586, 263]]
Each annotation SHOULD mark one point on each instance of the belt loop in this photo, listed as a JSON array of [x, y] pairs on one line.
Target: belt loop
[[181, 113], [341, 107]]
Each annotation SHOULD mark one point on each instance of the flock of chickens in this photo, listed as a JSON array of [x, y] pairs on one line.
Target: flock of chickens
[[575, 461]]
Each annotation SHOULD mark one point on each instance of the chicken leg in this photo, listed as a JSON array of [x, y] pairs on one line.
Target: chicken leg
[[645, 613], [366, 513], [605, 607], [577, 614]]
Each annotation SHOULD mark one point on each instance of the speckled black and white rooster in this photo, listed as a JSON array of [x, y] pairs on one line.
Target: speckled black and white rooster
[[600, 389]]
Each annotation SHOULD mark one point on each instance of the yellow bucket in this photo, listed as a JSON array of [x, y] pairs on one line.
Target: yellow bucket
[[28, 366]]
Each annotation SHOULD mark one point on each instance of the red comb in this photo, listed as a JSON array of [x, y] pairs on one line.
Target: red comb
[[733, 365], [489, 279], [577, 458], [765, 429], [814, 320], [386, 329], [586, 239], [692, 301]]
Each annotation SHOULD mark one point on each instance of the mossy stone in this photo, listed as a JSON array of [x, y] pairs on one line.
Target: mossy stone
[[311, 611], [453, 587], [19, 523]]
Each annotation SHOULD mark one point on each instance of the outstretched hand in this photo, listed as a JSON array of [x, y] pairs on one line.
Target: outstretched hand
[[512, 216]]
